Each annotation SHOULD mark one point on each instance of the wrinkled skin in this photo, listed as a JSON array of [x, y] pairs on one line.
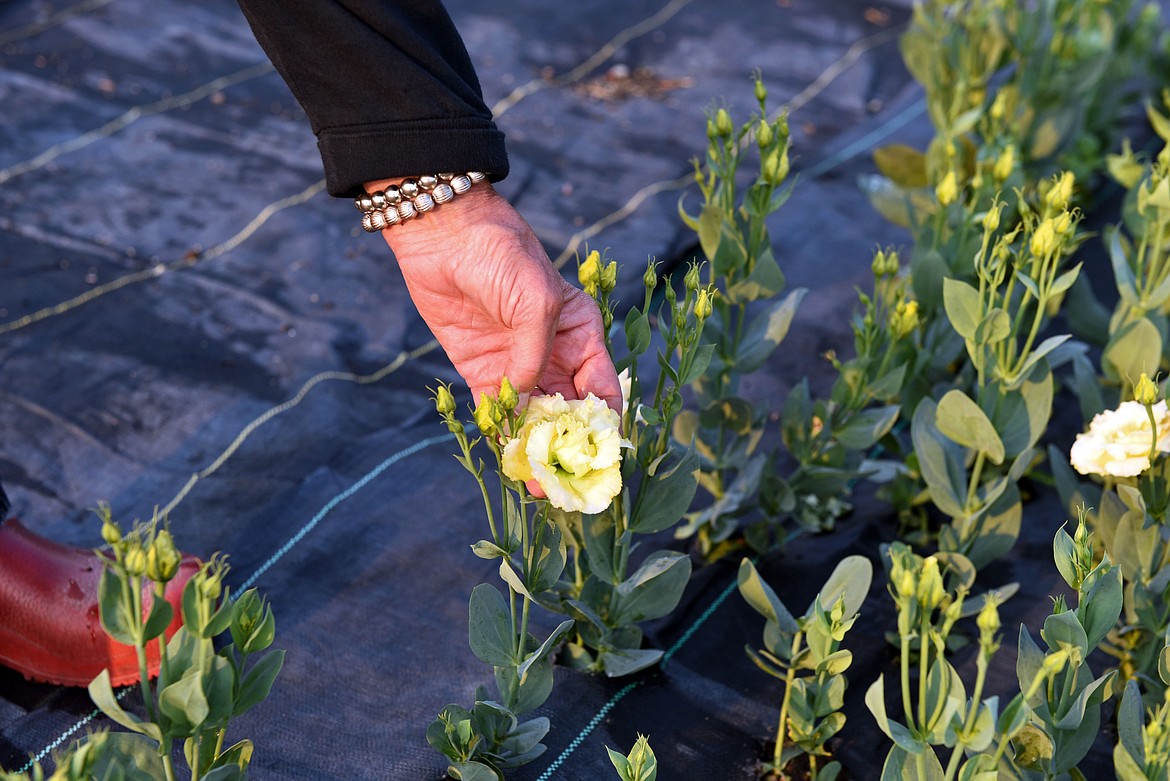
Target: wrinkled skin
[[483, 284]]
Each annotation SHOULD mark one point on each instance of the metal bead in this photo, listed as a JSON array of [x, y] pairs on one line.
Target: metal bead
[[392, 195], [476, 176], [368, 223], [406, 210], [442, 193], [377, 220], [427, 183], [378, 198], [390, 214], [364, 202], [445, 177], [424, 202], [409, 188], [460, 184]]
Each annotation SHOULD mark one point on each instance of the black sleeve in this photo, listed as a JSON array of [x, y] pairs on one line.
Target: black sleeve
[[387, 84]]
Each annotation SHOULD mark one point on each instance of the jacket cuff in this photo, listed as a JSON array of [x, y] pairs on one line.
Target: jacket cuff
[[358, 154]]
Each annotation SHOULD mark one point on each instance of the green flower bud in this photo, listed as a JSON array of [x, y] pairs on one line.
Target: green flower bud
[[1063, 223], [444, 401], [711, 132], [764, 135], [167, 557], [893, 263], [606, 318], [723, 124], [253, 625], [211, 586], [991, 219], [650, 278], [691, 280], [1054, 662], [988, 619], [930, 592], [1061, 192], [609, 276], [761, 91], [879, 264], [1145, 392], [775, 166], [508, 398], [111, 533], [1005, 164], [904, 319], [135, 560], [998, 106]]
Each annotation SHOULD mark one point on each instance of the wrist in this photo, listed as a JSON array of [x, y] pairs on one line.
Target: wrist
[[391, 202]]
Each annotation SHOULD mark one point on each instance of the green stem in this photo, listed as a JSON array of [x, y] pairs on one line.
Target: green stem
[[907, 707], [969, 722], [923, 668], [973, 486], [782, 725]]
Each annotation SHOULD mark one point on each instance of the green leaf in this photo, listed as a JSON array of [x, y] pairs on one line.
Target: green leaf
[[710, 230], [102, 694], [1021, 416], [1065, 280], [621, 764], [766, 331], [1063, 552], [537, 686], [161, 615], [928, 270], [485, 549], [1122, 271], [185, 703], [545, 649], [1124, 765], [666, 497], [763, 599], [963, 307], [1039, 352], [698, 366], [510, 576], [960, 419], [1101, 607], [850, 581], [239, 755], [1061, 629], [1014, 717], [258, 681], [875, 700], [526, 737], [941, 466], [126, 756], [765, 281], [655, 587], [117, 617], [1088, 697], [550, 560], [1135, 348], [620, 662], [1131, 724], [865, 428], [980, 767], [223, 773], [994, 328], [489, 627], [901, 765], [473, 771], [637, 332], [905, 166]]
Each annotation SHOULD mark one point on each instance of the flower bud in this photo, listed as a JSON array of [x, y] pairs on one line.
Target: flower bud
[[991, 219], [606, 318], [703, 304], [691, 280], [1061, 191], [761, 91], [487, 415], [723, 122], [904, 583], [988, 619], [879, 264], [111, 533], [444, 401], [947, 190], [1054, 662], [764, 135], [711, 132], [904, 319], [775, 166], [508, 398], [1063, 223], [1005, 163], [1044, 239], [163, 558], [135, 560], [930, 592], [1145, 392], [609, 276], [998, 106], [650, 278], [680, 319], [589, 273]]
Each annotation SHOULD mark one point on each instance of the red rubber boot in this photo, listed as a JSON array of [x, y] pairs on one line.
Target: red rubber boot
[[50, 629]]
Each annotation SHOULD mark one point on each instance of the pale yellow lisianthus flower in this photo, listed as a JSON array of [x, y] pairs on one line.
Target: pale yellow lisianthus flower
[[572, 449], [1117, 443]]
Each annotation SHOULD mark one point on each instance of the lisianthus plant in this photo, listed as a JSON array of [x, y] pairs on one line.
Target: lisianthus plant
[[199, 689], [639, 765], [810, 712], [1126, 449], [1044, 731]]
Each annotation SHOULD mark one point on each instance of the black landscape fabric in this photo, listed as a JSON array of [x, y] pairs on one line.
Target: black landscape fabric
[[187, 321]]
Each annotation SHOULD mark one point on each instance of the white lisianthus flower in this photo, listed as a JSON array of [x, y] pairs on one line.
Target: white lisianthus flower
[[1117, 443], [572, 449]]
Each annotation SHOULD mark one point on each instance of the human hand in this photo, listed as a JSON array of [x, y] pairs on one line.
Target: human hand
[[485, 287]]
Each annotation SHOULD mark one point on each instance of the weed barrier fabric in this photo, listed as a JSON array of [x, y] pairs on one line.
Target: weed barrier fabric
[[188, 322]]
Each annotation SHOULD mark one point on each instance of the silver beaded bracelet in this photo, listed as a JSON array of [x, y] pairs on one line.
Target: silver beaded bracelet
[[413, 197]]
